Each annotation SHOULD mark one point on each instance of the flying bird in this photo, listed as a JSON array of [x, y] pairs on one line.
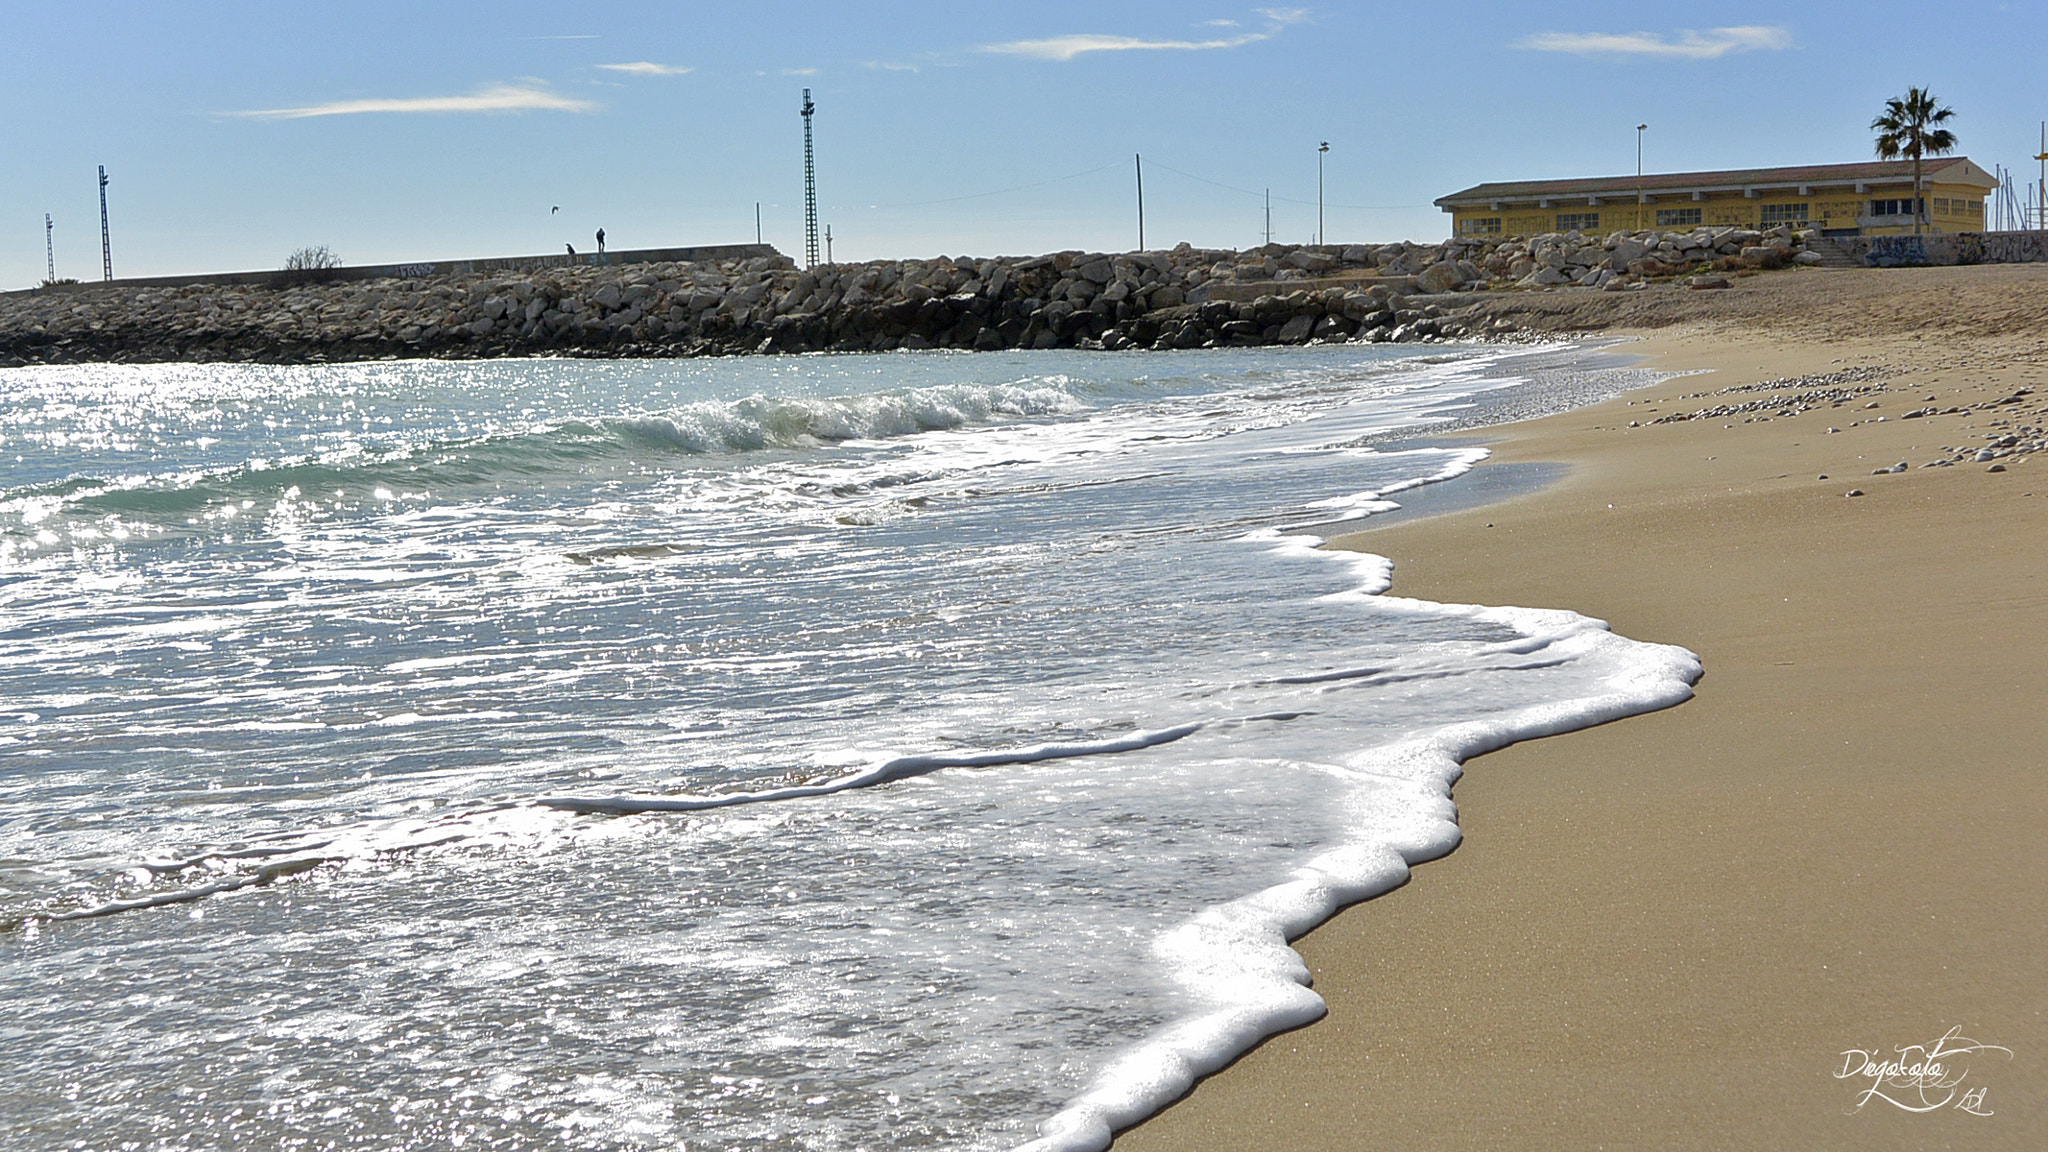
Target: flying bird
[[555, 209]]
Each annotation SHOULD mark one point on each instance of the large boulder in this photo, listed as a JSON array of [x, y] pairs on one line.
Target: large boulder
[[1442, 276], [1627, 252], [1763, 256], [1297, 330], [1309, 261]]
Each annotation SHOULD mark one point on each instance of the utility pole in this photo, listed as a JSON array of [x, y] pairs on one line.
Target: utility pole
[[106, 242], [50, 247], [1639, 175], [2041, 202], [757, 221], [828, 243], [810, 189], [1269, 215], [1320, 153], [1140, 161]]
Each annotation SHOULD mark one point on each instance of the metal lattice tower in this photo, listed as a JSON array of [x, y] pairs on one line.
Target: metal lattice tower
[[50, 246], [810, 189], [106, 242]]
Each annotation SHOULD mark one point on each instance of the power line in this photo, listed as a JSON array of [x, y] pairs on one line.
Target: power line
[[999, 191], [1286, 199]]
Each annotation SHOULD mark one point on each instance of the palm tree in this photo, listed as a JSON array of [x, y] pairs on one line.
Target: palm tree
[[1908, 128]]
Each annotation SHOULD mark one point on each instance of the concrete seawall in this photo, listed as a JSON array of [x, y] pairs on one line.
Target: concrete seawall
[[420, 270], [1946, 249]]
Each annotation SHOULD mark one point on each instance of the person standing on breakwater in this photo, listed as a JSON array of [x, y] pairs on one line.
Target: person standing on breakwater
[[600, 241], [571, 248]]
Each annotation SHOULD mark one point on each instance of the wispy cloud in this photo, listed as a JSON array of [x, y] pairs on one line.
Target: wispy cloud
[[885, 66], [799, 71], [1710, 45], [647, 68], [497, 98], [1064, 48]]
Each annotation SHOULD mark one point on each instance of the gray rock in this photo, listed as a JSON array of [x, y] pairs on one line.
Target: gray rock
[[1297, 330], [1096, 271], [1626, 252], [1440, 277]]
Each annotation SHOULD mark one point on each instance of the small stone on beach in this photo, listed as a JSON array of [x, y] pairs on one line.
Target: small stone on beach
[[1996, 468], [1854, 492]]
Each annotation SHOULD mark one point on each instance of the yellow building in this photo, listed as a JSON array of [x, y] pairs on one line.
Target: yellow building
[[1870, 199]]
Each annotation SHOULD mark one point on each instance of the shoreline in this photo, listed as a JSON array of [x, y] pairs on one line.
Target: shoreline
[[1665, 932]]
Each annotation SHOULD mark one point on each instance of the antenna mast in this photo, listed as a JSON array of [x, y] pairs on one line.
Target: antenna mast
[[810, 189], [106, 243], [1269, 215], [50, 246]]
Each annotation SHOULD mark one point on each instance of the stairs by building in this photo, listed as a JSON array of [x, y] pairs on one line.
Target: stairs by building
[[1831, 254]]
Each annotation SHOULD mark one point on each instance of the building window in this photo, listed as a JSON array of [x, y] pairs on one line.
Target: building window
[[1941, 205], [1578, 221], [1677, 217], [1479, 226], [1784, 213], [1900, 207]]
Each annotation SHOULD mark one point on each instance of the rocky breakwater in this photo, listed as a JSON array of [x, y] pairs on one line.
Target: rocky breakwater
[[1624, 260], [1182, 298]]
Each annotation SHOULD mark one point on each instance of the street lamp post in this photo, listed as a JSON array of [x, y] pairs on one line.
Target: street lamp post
[[1639, 176], [1320, 153]]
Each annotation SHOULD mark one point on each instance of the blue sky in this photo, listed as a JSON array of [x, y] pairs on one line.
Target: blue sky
[[234, 133]]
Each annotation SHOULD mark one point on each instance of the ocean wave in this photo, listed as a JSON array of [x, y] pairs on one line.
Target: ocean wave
[[697, 431]]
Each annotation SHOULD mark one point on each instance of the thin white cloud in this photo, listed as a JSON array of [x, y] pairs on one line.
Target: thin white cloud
[[1710, 45], [885, 66], [497, 98], [647, 68], [1064, 48], [799, 71]]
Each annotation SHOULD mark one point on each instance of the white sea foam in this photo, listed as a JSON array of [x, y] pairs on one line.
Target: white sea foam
[[1233, 959]]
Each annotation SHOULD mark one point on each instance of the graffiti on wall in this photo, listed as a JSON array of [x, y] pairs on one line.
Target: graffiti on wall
[[1896, 252]]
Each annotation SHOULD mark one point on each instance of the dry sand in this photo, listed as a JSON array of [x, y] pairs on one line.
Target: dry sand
[[1663, 933]]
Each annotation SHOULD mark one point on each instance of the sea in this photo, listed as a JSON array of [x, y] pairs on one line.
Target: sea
[[900, 751]]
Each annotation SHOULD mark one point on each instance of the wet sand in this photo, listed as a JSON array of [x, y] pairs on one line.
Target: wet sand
[[1664, 932]]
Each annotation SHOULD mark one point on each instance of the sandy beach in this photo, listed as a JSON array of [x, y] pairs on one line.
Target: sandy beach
[[1665, 932]]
